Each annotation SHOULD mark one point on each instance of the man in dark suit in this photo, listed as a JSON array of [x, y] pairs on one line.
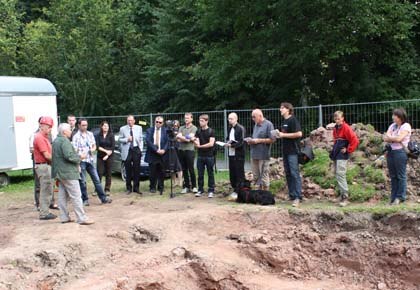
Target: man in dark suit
[[131, 143], [157, 144]]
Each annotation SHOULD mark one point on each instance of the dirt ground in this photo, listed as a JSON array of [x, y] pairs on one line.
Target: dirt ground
[[156, 243]]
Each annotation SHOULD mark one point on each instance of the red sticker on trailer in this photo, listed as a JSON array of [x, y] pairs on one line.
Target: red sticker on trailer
[[20, 118]]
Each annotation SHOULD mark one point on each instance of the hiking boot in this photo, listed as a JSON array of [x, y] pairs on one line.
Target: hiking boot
[[396, 201], [210, 195], [184, 190], [195, 190], [198, 194], [296, 202], [86, 203], [49, 216]]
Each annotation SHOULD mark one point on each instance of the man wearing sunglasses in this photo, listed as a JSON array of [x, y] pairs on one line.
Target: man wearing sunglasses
[[157, 143]]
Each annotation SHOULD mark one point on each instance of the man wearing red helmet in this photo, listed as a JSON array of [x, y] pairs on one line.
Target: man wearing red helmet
[[42, 156]]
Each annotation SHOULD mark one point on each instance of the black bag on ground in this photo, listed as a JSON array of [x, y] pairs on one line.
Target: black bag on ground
[[262, 197]]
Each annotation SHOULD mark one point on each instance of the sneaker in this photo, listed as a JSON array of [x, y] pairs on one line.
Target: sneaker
[[67, 221], [195, 190], [344, 203], [198, 194], [49, 216], [94, 193], [152, 190], [296, 202], [211, 194], [234, 195], [184, 190], [107, 200], [87, 222], [396, 201], [86, 203]]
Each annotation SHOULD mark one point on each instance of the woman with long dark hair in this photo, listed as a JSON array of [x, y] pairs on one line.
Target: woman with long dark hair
[[397, 138], [105, 143]]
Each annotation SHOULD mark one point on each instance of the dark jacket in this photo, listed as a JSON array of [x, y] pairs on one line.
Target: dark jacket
[[151, 155], [239, 145], [65, 160], [344, 137]]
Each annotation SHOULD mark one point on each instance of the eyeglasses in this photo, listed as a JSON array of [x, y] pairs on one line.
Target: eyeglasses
[[158, 122]]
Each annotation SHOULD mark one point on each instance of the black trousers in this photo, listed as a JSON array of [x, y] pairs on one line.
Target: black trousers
[[236, 172], [157, 175], [104, 168], [186, 157], [132, 169]]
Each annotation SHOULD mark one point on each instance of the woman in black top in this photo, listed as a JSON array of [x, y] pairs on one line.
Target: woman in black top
[[105, 142]]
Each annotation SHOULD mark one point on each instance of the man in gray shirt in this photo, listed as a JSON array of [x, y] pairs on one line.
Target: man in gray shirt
[[260, 144]]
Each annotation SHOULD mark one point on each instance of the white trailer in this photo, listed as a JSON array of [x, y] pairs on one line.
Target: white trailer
[[22, 101]]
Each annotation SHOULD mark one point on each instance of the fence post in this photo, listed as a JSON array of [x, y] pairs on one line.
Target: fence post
[[320, 123], [225, 128], [151, 120]]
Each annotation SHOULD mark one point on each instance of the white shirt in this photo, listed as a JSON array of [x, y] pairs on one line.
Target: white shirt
[[232, 138]]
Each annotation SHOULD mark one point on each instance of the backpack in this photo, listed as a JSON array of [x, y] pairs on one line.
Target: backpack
[[413, 150], [305, 154]]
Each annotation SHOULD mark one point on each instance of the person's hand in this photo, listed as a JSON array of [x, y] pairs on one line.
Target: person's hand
[[130, 139], [83, 156], [108, 152], [228, 145], [387, 138], [280, 134], [343, 150], [252, 141], [105, 158]]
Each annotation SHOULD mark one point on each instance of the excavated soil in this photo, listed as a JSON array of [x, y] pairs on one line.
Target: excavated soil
[[190, 243]]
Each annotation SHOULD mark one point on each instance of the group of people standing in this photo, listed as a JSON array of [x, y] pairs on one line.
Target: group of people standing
[[70, 157]]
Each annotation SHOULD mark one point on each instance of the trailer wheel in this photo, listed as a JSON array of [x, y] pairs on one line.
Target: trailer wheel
[[4, 179]]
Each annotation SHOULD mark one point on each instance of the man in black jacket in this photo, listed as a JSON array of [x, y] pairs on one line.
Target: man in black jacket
[[236, 153]]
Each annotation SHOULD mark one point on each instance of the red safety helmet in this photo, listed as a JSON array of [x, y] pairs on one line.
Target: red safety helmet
[[47, 121]]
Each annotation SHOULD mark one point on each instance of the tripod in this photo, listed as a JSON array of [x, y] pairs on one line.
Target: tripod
[[172, 162]]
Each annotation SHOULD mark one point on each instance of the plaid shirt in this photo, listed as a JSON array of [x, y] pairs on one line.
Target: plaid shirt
[[82, 143]]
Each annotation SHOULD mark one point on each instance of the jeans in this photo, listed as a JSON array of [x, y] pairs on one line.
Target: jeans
[[186, 157], [236, 172], [397, 167], [291, 169], [89, 168], [202, 163]]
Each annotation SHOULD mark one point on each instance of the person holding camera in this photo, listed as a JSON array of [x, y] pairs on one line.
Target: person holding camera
[[157, 145], [345, 143], [204, 142], [186, 138], [397, 138], [85, 145]]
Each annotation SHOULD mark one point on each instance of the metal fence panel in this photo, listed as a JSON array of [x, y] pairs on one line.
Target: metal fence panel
[[378, 114]]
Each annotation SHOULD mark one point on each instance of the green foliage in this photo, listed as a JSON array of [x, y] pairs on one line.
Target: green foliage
[[361, 192], [277, 185], [373, 175], [319, 169], [352, 173], [132, 56], [10, 26]]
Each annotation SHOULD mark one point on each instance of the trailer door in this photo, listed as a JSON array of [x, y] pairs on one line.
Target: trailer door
[[8, 158]]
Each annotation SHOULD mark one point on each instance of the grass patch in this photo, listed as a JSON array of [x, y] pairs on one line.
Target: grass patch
[[277, 185], [319, 169], [352, 173], [373, 175], [361, 192]]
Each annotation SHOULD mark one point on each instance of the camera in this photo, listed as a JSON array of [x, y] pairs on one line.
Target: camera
[[170, 129], [387, 148]]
